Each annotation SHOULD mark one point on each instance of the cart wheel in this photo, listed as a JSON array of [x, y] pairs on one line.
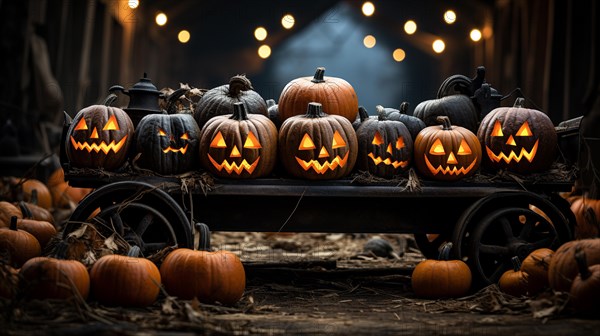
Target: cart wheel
[[507, 233], [503, 225], [141, 213], [429, 244]]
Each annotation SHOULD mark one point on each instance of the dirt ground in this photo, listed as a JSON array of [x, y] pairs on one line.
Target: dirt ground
[[311, 284]]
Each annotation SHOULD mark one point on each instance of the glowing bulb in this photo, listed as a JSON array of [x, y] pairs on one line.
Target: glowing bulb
[[260, 33], [450, 17], [288, 21], [368, 8], [161, 19], [475, 35], [369, 41], [438, 46], [183, 36], [264, 51], [133, 4], [410, 27], [487, 32], [399, 55]]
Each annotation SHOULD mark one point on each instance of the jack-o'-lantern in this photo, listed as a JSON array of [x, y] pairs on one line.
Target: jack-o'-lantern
[[168, 143], [518, 139], [447, 152], [240, 145], [317, 146], [99, 137], [384, 146]]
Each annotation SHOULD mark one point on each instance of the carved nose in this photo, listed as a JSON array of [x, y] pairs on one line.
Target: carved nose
[[511, 141], [235, 152], [452, 159], [323, 153], [94, 134]]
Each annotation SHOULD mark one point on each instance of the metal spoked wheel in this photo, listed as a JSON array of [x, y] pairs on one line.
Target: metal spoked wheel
[[506, 233], [141, 213]]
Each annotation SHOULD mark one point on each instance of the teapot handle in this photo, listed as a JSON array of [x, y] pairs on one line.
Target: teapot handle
[[118, 88]]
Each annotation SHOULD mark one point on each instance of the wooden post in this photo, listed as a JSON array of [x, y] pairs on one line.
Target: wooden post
[[85, 54]]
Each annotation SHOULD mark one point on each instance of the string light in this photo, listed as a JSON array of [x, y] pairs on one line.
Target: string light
[[260, 33], [288, 21], [410, 27], [369, 41], [368, 8], [399, 55], [438, 46], [264, 51], [183, 36], [450, 16], [161, 19], [133, 4]]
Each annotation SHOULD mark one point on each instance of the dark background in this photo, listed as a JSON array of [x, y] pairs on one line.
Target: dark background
[[64, 54]]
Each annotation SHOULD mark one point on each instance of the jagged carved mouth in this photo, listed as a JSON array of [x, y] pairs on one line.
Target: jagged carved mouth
[[512, 156], [103, 146], [237, 168], [447, 170], [387, 161], [181, 150], [321, 168]]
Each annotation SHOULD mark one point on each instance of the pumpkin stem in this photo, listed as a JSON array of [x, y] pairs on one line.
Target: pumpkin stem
[[67, 118], [519, 102], [25, 210], [110, 99], [238, 84], [516, 263], [363, 115], [315, 110], [319, 75], [13, 223], [445, 121], [239, 112], [445, 251], [204, 242], [134, 251], [404, 108], [581, 260], [271, 102]]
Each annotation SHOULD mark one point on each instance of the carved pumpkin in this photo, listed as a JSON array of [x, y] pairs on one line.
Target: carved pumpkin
[[414, 124], [210, 276], [459, 108], [119, 280], [441, 278], [335, 94], [99, 137], [536, 264], [585, 290], [220, 100], [518, 139], [18, 245], [447, 152], [563, 267], [514, 282], [54, 278], [240, 145], [317, 146], [384, 147], [167, 143]]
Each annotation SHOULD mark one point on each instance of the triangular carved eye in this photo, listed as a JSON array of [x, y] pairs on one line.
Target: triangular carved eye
[[497, 131], [306, 143], [161, 132], [464, 148], [524, 130], [437, 148], [185, 136], [252, 142], [111, 124], [81, 125], [338, 141], [400, 143], [218, 141], [377, 139]]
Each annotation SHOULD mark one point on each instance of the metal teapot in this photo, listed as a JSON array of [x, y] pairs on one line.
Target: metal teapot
[[143, 99]]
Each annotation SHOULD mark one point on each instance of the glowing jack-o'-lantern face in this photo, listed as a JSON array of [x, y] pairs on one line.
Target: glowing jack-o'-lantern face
[[99, 137], [317, 146], [447, 152], [241, 145], [518, 139], [168, 143], [384, 147]]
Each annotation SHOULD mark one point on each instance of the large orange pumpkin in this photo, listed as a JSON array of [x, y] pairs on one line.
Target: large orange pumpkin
[[335, 94], [587, 216], [7, 211], [585, 290], [563, 266], [536, 264], [18, 245]]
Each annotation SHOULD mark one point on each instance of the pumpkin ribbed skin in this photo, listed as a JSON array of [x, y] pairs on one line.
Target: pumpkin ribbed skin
[[459, 108], [536, 265], [514, 282], [35, 212], [105, 148], [50, 278], [384, 147], [563, 267], [7, 211], [587, 216], [449, 164], [168, 143], [220, 100], [585, 290], [44, 197], [539, 140], [335, 94], [238, 156], [19, 245], [119, 280], [414, 124], [43, 231], [209, 276], [323, 161]]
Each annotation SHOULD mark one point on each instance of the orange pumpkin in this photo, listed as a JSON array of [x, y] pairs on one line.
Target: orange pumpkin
[[35, 212], [7, 211], [585, 290], [587, 216], [43, 231], [514, 282], [536, 264], [33, 186], [18, 245], [563, 267]]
